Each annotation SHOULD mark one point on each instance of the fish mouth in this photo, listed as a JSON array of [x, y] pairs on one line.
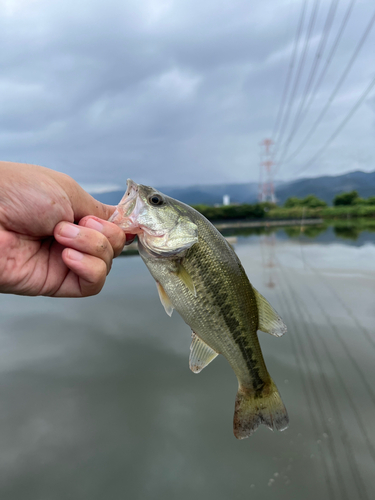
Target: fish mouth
[[128, 211]]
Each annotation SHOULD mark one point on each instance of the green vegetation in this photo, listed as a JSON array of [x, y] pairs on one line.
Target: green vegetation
[[338, 212], [310, 201], [346, 199], [352, 199], [244, 211], [345, 206]]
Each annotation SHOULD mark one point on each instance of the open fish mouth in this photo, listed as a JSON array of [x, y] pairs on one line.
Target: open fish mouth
[[127, 202], [128, 212]]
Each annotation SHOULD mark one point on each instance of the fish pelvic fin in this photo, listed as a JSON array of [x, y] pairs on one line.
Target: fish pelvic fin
[[252, 410], [164, 299], [200, 354]]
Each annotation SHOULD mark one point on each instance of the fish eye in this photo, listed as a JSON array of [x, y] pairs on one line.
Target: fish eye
[[156, 200]]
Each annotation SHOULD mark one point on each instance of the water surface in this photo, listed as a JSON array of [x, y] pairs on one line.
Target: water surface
[[98, 401]]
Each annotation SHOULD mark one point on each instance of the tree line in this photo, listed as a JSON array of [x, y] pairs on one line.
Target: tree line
[[293, 206], [350, 198]]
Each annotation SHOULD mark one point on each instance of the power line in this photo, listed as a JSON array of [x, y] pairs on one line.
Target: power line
[[339, 128], [314, 67], [315, 399], [336, 89], [330, 56], [313, 402], [353, 466], [298, 73], [357, 414], [290, 70], [324, 71]]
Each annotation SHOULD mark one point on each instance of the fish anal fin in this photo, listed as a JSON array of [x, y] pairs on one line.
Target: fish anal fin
[[200, 354], [164, 299], [185, 277], [269, 320]]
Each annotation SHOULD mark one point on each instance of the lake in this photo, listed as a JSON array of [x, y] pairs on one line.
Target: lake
[[98, 402]]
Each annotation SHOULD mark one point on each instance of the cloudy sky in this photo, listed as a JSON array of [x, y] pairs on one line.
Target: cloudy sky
[[176, 92]]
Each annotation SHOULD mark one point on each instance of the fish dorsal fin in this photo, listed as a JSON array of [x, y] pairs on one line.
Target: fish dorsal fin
[[167, 304], [200, 354], [269, 320], [185, 278]]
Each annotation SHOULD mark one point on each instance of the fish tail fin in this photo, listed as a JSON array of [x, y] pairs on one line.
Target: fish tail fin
[[252, 409]]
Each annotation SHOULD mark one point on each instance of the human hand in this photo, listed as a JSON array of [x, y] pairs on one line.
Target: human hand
[[42, 251]]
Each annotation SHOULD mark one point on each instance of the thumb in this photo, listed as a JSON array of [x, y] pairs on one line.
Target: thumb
[[83, 203]]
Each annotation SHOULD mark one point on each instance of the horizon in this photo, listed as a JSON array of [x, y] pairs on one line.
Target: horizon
[[105, 188]]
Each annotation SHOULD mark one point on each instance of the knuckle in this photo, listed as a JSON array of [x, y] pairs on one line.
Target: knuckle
[[94, 290], [102, 246], [100, 271], [118, 243], [95, 282]]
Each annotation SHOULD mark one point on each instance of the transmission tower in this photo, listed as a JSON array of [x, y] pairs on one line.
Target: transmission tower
[[266, 185]]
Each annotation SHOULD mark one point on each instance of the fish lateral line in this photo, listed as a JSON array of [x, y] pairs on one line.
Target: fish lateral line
[[187, 257]]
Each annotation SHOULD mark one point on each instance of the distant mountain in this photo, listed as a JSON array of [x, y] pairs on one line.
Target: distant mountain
[[195, 195], [326, 188], [212, 194]]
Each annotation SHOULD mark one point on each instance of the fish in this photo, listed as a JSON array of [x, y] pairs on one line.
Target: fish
[[199, 275]]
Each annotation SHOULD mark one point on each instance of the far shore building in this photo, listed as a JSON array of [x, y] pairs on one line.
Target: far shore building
[[226, 200]]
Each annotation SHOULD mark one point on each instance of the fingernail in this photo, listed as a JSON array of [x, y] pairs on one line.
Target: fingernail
[[94, 224], [69, 230], [74, 255]]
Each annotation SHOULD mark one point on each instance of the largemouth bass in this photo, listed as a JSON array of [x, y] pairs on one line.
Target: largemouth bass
[[198, 274]]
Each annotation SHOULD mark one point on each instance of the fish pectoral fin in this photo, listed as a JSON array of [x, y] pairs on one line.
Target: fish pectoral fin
[[185, 277], [167, 304], [201, 354], [269, 320]]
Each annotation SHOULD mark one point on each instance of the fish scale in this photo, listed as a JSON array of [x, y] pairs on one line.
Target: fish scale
[[200, 276], [227, 287]]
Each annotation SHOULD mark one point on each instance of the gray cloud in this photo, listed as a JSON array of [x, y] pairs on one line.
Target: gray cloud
[[168, 92]]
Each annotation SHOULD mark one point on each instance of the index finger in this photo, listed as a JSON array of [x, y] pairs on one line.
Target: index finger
[[113, 233]]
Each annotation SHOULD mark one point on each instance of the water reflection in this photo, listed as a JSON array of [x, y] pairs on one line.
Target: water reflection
[[98, 401], [347, 229], [308, 231]]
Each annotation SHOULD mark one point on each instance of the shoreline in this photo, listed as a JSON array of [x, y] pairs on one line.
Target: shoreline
[[266, 223], [133, 247]]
